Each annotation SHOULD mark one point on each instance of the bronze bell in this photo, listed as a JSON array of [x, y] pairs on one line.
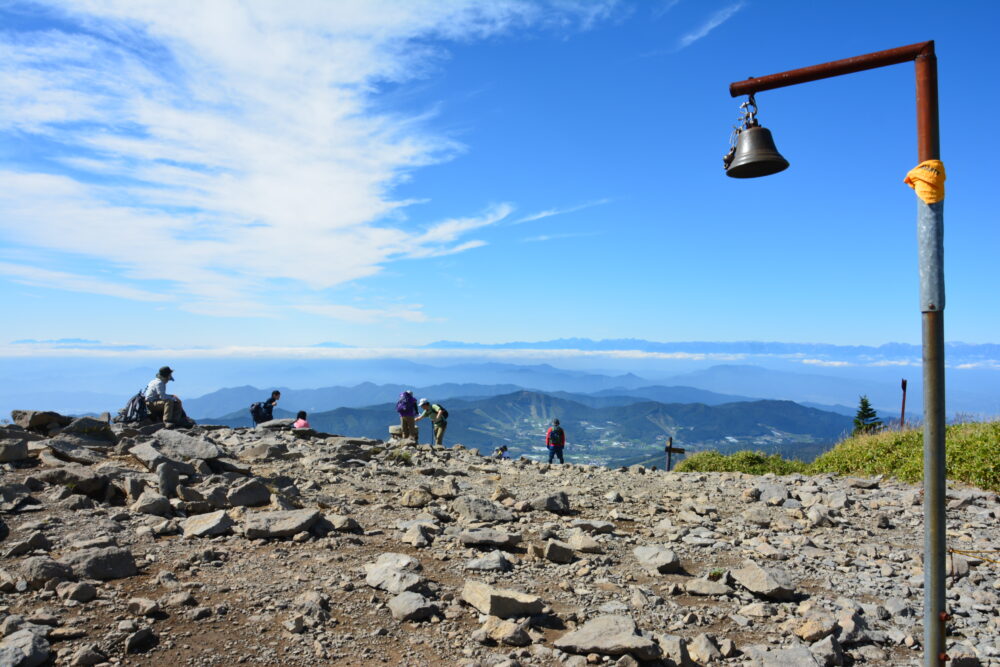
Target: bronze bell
[[754, 155]]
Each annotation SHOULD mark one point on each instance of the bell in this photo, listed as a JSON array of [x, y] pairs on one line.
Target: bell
[[755, 155]]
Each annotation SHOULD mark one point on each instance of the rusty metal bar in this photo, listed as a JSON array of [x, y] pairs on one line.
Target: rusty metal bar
[[895, 56]]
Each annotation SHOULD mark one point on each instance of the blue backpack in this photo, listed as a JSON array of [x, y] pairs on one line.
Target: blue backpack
[[557, 438]]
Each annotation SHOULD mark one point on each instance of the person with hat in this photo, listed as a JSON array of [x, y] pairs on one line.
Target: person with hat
[[162, 405], [439, 418], [555, 440]]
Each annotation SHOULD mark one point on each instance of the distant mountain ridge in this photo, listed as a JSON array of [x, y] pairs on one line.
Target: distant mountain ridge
[[233, 399]]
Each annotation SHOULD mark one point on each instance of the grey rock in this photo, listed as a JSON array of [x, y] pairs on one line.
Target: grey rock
[[38, 419], [410, 606], [37, 570], [250, 493], [488, 537], [559, 552], [101, 563], [593, 526], [279, 524], [704, 650], [706, 587], [828, 652], [151, 502], [183, 447], [474, 510], [499, 602], [772, 493], [13, 450], [657, 558], [795, 656], [205, 525], [609, 635], [557, 502], [24, 648], [167, 479], [140, 640], [494, 561], [80, 592], [769, 583]]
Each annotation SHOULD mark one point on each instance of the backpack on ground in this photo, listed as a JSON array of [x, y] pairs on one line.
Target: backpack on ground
[[258, 413], [557, 438], [134, 411]]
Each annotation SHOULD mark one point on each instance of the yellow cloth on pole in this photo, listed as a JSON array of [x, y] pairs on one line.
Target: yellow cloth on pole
[[927, 179]]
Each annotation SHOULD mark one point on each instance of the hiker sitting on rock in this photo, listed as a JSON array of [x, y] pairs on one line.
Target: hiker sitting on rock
[[301, 421], [439, 418], [555, 440], [500, 452], [164, 406]]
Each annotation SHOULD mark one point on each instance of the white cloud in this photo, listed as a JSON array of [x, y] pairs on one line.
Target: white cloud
[[825, 362], [218, 147], [713, 22], [560, 211], [36, 277], [365, 315]]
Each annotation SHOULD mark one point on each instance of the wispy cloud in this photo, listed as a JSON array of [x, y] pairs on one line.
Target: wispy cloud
[[560, 211], [36, 277], [713, 22], [556, 237], [207, 150], [365, 315], [826, 362]]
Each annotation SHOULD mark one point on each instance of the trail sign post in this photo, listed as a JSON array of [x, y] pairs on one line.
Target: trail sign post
[[670, 449]]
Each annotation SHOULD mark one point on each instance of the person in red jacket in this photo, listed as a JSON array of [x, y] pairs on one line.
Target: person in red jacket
[[555, 440]]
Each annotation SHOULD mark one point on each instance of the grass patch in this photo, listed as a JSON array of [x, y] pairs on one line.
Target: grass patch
[[972, 455], [399, 456]]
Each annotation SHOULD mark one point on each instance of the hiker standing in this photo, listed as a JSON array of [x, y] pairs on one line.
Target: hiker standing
[[162, 405], [555, 440], [264, 412], [439, 418], [406, 406]]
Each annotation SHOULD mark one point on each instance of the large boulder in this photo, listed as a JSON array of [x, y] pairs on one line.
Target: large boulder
[[101, 563], [38, 420], [557, 502], [13, 450], [477, 510], [250, 493], [37, 570], [24, 648], [609, 635], [657, 558], [279, 524], [500, 602], [183, 447], [207, 525], [769, 583]]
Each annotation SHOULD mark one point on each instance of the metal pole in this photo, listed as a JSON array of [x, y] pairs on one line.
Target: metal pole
[[930, 234]]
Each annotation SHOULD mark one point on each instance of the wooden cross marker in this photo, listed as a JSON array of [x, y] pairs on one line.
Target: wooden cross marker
[[670, 449]]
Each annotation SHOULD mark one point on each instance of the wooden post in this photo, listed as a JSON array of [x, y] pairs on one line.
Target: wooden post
[[902, 411], [670, 449]]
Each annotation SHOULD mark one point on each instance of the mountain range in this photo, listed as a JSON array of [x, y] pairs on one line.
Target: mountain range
[[611, 435]]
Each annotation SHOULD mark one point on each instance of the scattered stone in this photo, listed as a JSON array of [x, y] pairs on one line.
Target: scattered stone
[[101, 563], [279, 524]]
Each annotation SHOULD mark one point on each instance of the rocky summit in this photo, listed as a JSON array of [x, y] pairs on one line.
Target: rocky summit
[[221, 546]]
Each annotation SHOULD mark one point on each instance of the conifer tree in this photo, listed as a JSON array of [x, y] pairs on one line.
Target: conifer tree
[[866, 420]]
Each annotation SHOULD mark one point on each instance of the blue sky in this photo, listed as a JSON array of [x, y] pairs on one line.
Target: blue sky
[[210, 176]]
